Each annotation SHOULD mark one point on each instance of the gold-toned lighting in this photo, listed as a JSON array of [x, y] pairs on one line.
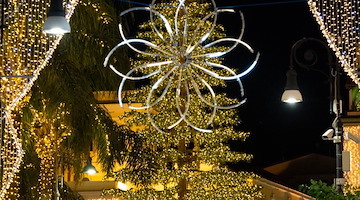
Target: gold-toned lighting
[[123, 186], [48, 132], [183, 59], [25, 51], [353, 176], [339, 22], [188, 162]]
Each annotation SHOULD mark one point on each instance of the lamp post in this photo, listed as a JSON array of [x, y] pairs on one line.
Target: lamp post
[[56, 168], [293, 95]]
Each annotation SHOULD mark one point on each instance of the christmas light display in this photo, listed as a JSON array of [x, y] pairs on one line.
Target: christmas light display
[[339, 22], [179, 159], [353, 176], [25, 51], [183, 56], [48, 131]]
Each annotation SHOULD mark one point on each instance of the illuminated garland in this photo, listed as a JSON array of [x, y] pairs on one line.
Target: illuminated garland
[[339, 21], [48, 132], [11, 154], [183, 59], [353, 176], [25, 51]]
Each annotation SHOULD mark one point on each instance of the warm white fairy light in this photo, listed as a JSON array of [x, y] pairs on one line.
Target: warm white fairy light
[[11, 154], [39, 58], [25, 51], [48, 132], [339, 22], [353, 176], [181, 61]]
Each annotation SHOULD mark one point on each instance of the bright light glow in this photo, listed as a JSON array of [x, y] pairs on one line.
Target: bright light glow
[[205, 167], [90, 171], [291, 96], [122, 186], [158, 187], [292, 100], [56, 25], [56, 31]]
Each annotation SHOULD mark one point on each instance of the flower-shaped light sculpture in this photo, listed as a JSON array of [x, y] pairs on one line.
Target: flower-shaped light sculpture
[[181, 60]]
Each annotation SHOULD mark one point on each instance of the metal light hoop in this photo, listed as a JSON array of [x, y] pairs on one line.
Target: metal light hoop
[[184, 74]]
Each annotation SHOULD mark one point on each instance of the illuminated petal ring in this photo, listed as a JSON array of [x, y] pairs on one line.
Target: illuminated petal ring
[[184, 75]]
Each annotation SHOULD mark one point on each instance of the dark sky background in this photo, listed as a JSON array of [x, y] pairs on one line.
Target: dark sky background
[[280, 131]]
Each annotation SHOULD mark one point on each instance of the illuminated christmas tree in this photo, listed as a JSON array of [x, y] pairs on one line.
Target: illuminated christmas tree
[[184, 131]]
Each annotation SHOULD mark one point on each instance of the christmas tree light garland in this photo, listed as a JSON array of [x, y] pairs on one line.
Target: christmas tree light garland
[[25, 51], [339, 22], [48, 131], [182, 58]]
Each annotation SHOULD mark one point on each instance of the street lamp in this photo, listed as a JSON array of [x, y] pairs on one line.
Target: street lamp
[[89, 168], [56, 22], [293, 95]]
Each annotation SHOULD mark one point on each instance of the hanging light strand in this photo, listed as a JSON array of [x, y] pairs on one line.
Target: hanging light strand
[[25, 51], [340, 24]]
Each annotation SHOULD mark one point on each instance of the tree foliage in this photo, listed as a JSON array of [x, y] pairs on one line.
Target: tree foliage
[[75, 72], [322, 191]]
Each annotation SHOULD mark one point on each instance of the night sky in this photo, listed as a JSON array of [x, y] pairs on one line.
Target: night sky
[[280, 131]]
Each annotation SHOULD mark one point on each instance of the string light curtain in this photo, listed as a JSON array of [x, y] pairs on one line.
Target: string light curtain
[[25, 51], [339, 23]]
